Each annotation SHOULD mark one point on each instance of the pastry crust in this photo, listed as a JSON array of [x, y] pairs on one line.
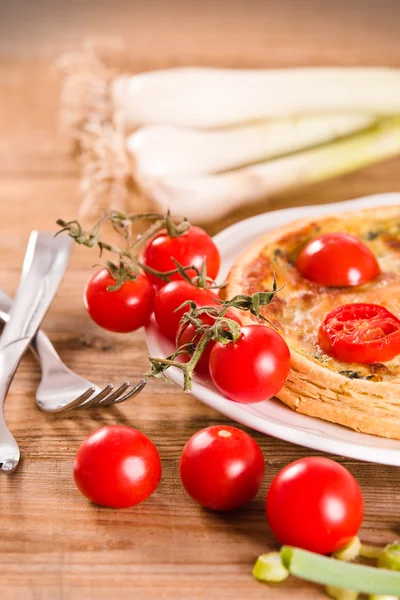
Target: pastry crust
[[316, 385]]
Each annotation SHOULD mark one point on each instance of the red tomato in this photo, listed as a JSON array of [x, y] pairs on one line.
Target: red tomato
[[189, 335], [337, 259], [117, 466], [252, 369], [362, 333], [173, 295], [316, 504], [124, 310], [222, 468], [190, 248]]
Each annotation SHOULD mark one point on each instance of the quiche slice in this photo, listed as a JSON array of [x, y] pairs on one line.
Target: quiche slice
[[363, 397]]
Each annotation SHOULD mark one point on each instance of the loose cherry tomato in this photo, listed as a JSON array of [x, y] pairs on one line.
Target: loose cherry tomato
[[252, 369], [222, 467], [362, 333], [337, 259], [117, 466], [190, 335], [190, 248], [124, 310], [316, 504], [170, 297]]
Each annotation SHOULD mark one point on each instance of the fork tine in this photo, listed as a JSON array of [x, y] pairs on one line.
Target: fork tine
[[77, 402], [118, 392], [133, 392], [98, 396]]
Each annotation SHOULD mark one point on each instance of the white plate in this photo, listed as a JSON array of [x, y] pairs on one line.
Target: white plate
[[273, 417]]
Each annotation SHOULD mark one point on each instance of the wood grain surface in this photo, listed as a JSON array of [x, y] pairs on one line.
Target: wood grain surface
[[54, 545]]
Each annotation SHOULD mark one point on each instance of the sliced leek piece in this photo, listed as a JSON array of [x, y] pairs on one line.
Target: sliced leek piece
[[329, 571], [269, 568]]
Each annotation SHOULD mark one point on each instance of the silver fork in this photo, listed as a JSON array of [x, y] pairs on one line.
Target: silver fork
[[61, 389], [45, 262]]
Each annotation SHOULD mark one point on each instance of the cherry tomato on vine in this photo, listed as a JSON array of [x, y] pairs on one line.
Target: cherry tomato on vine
[[190, 335], [170, 297], [189, 248], [123, 310], [253, 368], [337, 260], [316, 504], [117, 466], [362, 333], [222, 467]]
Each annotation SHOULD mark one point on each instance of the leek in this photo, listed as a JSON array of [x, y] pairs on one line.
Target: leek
[[390, 557], [162, 149], [207, 97], [341, 594], [349, 552], [329, 571], [208, 197], [269, 568]]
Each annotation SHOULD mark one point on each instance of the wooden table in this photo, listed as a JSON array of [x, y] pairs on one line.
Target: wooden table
[[54, 545]]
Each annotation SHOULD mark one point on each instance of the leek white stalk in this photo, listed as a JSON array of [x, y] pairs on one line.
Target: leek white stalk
[[207, 97], [164, 149], [208, 197]]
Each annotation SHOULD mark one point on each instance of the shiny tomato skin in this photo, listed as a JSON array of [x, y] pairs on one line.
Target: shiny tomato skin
[[252, 369], [222, 468], [337, 260], [360, 333], [117, 466], [190, 248], [170, 297], [189, 335], [123, 310], [316, 504]]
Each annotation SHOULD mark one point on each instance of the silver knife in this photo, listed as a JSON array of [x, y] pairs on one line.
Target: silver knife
[[44, 266]]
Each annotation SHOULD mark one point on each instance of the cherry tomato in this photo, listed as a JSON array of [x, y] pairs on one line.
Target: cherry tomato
[[117, 466], [362, 333], [190, 248], [173, 295], [316, 504], [222, 467], [337, 259], [252, 369], [124, 310], [190, 335]]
